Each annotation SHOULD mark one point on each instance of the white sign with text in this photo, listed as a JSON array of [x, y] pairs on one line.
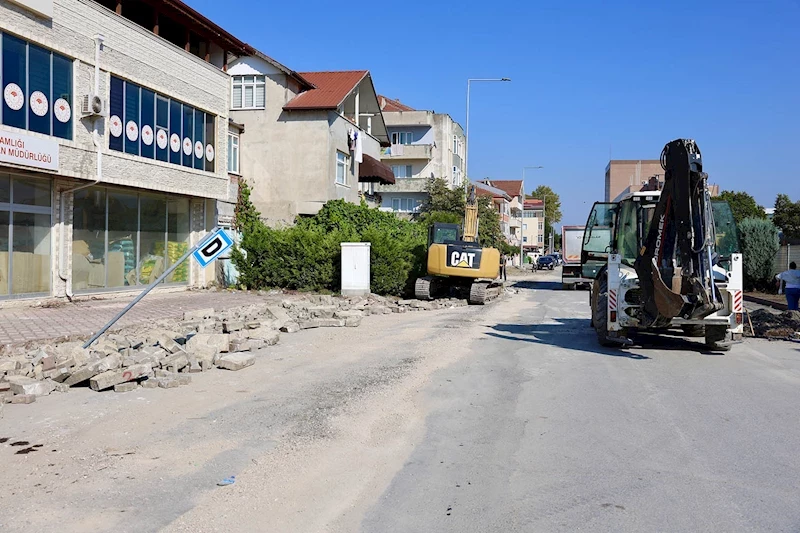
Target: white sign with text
[[21, 149]]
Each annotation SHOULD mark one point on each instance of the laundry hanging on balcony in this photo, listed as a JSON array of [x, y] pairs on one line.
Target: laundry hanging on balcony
[[354, 144]]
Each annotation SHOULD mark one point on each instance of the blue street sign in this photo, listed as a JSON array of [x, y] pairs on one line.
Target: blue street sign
[[218, 242]]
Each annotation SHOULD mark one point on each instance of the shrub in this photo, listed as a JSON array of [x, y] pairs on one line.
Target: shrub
[[759, 245]]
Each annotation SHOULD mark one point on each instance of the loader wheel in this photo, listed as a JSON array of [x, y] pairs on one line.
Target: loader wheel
[[717, 338], [600, 312], [694, 330]]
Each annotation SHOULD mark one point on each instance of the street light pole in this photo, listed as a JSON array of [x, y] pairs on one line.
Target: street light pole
[[522, 219], [466, 140]]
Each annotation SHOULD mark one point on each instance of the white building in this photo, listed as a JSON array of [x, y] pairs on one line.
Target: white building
[[424, 145], [107, 199]]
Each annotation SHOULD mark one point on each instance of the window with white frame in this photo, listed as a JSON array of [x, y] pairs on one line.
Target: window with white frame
[[402, 171], [405, 205], [541, 226], [541, 238], [455, 144], [402, 137], [249, 92], [341, 168], [233, 153], [524, 226]]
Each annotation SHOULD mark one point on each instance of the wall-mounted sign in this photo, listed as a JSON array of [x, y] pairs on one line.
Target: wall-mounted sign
[[29, 151], [40, 7]]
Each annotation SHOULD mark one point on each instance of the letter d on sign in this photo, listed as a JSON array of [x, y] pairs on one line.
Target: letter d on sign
[[213, 247]]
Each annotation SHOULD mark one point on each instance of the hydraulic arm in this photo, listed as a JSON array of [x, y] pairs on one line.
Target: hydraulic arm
[[675, 264]]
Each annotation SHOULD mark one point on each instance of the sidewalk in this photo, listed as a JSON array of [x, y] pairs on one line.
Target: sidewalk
[[20, 325]]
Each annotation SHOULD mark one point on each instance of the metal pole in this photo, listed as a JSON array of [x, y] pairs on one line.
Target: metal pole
[[161, 278], [466, 140]]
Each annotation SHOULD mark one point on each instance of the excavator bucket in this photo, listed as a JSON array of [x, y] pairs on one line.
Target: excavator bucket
[[668, 303]]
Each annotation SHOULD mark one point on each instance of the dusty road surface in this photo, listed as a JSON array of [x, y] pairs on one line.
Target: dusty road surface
[[500, 418]]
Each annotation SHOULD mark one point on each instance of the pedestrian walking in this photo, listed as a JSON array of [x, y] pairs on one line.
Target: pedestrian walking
[[504, 266], [791, 280]]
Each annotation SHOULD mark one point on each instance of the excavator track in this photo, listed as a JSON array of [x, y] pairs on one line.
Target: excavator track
[[481, 292], [423, 289]]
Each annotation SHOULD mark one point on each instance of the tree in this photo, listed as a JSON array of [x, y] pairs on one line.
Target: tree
[[742, 205], [552, 203], [447, 205], [759, 245], [787, 216]]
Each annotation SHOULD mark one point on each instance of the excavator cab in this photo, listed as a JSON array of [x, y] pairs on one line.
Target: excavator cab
[[441, 233]]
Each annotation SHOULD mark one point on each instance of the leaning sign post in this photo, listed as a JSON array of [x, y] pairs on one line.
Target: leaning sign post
[[208, 249]]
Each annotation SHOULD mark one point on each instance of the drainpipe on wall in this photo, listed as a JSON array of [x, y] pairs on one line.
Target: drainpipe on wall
[[62, 273]]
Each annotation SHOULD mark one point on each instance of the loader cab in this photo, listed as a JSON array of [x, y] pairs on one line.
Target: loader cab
[[598, 238], [727, 237], [441, 233]]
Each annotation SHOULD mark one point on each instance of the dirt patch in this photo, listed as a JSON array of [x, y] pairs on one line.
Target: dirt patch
[[767, 324]]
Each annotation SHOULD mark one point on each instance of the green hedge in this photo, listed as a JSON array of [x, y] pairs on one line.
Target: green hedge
[[307, 256], [759, 245]]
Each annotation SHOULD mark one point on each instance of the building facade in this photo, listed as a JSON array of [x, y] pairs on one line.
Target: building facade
[[533, 226], [515, 190], [311, 137], [111, 163], [625, 175], [423, 145]]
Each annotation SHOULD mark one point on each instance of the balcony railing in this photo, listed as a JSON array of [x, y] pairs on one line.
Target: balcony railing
[[398, 152]]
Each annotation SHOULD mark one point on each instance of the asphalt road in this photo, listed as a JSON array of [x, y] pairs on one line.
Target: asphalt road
[[502, 418]]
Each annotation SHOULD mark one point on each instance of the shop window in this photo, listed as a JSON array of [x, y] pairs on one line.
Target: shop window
[[122, 239], [150, 125], [25, 229], [37, 88]]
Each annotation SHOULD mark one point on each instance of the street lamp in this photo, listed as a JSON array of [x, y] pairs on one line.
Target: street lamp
[[522, 219], [466, 141]]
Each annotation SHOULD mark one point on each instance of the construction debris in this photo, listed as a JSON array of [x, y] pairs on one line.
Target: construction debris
[[163, 354], [770, 325]]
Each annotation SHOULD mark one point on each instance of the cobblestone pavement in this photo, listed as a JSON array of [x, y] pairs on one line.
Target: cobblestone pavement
[[19, 325]]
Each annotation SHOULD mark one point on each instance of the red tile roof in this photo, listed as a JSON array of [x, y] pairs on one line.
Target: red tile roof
[[531, 203], [331, 89], [510, 187], [389, 105], [482, 189]]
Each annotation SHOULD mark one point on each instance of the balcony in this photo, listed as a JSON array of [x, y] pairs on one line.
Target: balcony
[[457, 161], [400, 152], [404, 185]]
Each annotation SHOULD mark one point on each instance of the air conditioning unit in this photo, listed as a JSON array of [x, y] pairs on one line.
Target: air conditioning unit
[[92, 105]]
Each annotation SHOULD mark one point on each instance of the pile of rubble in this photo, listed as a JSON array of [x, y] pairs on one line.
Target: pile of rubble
[[771, 325], [164, 354]]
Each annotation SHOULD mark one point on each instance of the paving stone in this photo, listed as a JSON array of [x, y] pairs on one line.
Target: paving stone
[[268, 335], [79, 376], [66, 362], [7, 364], [232, 325], [162, 373], [168, 383], [353, 321], [220, 341], [23, 398], [21, 385], [175, 362], [168, 343], [184, 379], [322, 311], [60, 387], [5, 386], [255, 324], [256, 344], [57, 374], [235, 361], [126, 387], [279, 314], [194, 365], [48, 363], [240, 345], [150, 383], [322, 323], [112, 377], [350, 313], [399, 309]]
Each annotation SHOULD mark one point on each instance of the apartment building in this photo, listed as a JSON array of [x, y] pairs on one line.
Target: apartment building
[[113, 149], [423, 145], [533, 226], [502, 203], [311, 136], [514, 189], [624, 176]]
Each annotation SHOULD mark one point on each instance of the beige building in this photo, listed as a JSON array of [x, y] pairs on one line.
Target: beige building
[[533, 226], [511, 222], [112, 143], [424, 145], [310, 137], [625, 175]]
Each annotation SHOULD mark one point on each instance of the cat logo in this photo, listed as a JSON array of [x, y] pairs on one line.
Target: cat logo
[[461, 258]]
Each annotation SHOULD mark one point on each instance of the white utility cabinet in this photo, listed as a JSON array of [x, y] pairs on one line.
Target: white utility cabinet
[[355, 268]]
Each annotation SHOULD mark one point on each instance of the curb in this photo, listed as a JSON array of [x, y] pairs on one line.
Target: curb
[[768, 303]]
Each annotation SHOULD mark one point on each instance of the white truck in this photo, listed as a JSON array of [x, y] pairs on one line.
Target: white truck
[[571, 244]]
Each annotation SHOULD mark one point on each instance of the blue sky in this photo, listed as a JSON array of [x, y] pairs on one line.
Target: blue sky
[[588, 80]]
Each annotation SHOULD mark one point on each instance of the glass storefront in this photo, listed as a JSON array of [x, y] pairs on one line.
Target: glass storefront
[[25, 228], [122, 238]]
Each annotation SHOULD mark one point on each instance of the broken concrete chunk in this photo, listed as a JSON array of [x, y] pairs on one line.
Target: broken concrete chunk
[[348, 313], [322, 311], [183, 379], [219, 341], [229, 326], [57, 374], [167, 383], [23, 385], [168, 343], [7, 365], [126, 387], [176, 362], [290, 327], [268, 335], [322, 323], [79, 376], [150, 383], [112, 377], [235, 361], [23, 398], [353, 321], [240, 345]]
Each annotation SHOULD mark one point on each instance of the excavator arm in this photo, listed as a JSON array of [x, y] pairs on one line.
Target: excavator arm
[[471, 217], [675, 264]]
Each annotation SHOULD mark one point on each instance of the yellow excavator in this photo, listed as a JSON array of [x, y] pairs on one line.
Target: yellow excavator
[[457, 263]]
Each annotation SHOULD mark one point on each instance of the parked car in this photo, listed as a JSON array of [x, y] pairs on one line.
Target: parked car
[[546, 262]]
